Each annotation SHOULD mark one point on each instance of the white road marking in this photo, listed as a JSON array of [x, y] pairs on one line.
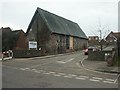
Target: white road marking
[[46, 73], [94, 80], [65, 61], [107, 82], [97, 78], [72, 75], [57, 75], [33, 69], [80, 78], [110, 80], [41, 71], [51, 72], [27, 68], [62, 73], [22, 68], [70, 60], [84, 76], [117, 79], [49, 56], [8, 58], [60, 62], [68, 76]]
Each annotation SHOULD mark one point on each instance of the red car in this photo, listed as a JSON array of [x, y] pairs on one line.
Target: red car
[[86, 51], [93, 48]]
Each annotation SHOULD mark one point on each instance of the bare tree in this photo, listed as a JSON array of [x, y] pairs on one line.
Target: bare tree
[[103, 31]]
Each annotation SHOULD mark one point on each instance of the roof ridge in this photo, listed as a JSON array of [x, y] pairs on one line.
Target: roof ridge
[[56, 15], [58, 24]]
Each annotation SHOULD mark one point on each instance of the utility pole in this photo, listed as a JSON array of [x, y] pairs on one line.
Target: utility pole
[[101, 47], [100, 34]]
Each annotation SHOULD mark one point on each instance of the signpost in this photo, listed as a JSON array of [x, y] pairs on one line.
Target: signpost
[[32, 45]]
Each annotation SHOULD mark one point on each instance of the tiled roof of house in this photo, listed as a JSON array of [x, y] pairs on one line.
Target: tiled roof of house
[[116, 34]]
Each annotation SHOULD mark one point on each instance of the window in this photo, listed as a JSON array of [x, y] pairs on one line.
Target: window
[[89, 38], [96, 38]]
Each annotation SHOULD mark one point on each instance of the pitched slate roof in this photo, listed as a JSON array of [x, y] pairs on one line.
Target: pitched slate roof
[[59, 25], [115, 34]]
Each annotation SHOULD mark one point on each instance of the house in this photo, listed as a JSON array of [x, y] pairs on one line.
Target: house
[[93, 40], [112, 37], [21, 42], [13, 40], [55, 34], [5, 38], [118, 44]]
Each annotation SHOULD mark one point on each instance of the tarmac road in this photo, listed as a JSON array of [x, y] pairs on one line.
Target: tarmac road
[[60, 71]]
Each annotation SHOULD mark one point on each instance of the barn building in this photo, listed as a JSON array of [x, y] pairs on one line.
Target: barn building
[[55, 34]]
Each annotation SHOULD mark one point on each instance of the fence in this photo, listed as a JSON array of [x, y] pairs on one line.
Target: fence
[[96, 55], [6, 55]]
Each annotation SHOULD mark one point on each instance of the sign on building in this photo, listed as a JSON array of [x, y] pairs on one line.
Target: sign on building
[[32, 45]]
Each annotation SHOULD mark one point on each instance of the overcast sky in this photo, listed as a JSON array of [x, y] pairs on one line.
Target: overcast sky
[[91, 15]]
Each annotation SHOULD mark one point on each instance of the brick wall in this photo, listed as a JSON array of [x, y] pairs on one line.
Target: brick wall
[[21, 43], [96, 55], [26, 53], [79, 43], [57, 44]]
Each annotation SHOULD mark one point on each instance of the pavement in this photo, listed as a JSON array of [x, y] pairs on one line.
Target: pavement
[[100, 66]]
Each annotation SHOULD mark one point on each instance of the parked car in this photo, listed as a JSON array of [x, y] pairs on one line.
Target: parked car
[[93, 48], [6, 54], [85, 51]]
